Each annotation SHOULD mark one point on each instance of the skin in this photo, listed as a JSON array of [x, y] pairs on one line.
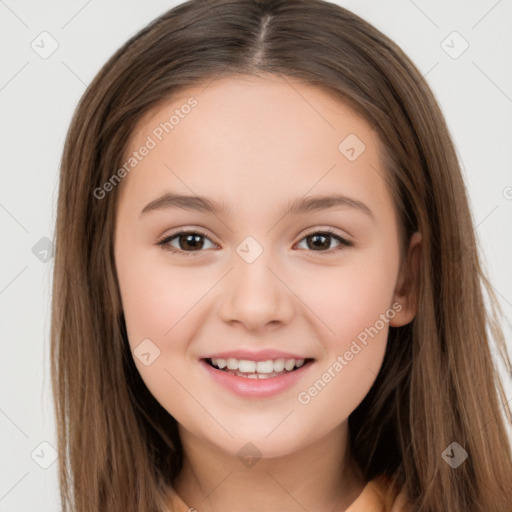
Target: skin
[[256, 143]]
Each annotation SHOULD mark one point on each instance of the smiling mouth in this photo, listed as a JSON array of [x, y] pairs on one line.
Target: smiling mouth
[[267, 371]]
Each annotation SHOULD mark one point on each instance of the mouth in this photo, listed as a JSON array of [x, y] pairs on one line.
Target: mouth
[[252, 379], [260, 370]]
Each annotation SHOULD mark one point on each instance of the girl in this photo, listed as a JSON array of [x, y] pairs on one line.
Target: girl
[[267, 293]]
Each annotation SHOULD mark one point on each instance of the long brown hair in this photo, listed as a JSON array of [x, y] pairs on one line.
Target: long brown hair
[[119, 449]]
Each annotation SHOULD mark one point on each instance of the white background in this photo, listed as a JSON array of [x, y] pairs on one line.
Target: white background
[[38, 96]]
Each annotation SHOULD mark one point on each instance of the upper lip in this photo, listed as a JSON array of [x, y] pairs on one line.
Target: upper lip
[[261, 355]]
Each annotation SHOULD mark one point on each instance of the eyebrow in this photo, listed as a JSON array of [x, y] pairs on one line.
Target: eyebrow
[[299, 206]]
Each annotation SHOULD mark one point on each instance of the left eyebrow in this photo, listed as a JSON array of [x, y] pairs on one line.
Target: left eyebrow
[[299, 206], [310, 204]]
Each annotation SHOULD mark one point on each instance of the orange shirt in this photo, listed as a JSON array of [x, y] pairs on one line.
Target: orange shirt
[[377, 496]]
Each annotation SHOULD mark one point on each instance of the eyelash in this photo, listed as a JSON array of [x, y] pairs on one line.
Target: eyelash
[[164, 243]]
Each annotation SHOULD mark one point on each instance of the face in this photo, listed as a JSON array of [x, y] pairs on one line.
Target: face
[[249, 273]]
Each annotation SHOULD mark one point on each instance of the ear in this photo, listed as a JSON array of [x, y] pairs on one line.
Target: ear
[[407, 285]]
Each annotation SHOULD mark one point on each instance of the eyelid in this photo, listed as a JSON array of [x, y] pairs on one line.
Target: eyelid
[[344, 242], [163, 241]]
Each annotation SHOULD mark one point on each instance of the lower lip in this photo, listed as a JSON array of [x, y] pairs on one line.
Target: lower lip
[[256, 388]]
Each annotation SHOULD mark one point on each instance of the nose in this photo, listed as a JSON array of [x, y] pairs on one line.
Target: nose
[[256, 296]]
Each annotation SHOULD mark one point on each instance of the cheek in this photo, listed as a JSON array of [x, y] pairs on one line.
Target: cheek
[[354, 304], [158, 305], [356, 307], [351, 298], [156, 298]]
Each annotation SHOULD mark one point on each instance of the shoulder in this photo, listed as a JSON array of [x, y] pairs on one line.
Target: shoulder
[[379, 495], [175, 503]]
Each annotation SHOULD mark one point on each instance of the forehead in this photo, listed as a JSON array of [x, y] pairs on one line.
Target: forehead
[[265, 101], [244, 136]]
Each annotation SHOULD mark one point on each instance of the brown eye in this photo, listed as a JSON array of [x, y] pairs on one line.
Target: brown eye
[[322, 242], [190, 241], [186, 241]]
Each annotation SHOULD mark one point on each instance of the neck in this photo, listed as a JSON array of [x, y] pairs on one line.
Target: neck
[[317, 477]]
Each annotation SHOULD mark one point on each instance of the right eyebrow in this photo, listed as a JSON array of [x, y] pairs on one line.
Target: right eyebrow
[[194, 203]]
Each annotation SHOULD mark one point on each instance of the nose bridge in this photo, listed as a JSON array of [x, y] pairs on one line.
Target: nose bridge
[[253, 294]]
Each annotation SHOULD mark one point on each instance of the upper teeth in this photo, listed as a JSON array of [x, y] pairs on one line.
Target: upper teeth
[[269, 366]]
